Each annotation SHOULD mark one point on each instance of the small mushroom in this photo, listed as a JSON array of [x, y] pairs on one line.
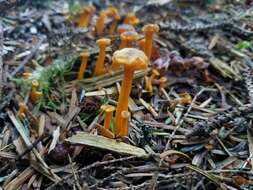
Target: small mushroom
[[22, 110], [148, 81], [85, 15], [127, 38], [132, 59], [35, 95], [125, 115], [131, 19], [125, 27], [99, 67], [100, 23], [108, 109], [112, 12], [149, 30], [84, 59]]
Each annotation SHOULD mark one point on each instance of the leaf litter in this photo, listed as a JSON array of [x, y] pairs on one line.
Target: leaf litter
[[189, 119]]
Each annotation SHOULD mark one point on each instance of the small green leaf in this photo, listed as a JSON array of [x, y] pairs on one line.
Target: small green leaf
[[242, 45]]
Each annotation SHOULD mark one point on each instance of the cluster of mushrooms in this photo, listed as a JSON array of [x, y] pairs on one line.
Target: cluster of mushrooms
[[129, 58]]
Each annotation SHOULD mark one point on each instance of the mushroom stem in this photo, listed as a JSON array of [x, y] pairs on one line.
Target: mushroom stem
[[123, 98], [149, 30], [84, 59], [125, 115], [85, 16], [123, 43], [149, 80], [142, 44], [22, 110], [108, 115], [100, 24], [99, 68], [112, 27], [84, 19], [148, 44], [147, 83]]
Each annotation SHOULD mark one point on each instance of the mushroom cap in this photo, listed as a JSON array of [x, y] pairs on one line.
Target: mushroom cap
[[113, 12], [22, 104], [129, 35], [108, 108], [84, 54], [132, 19], [150, 28], [35, 83], [156, 72], [89, 9], [131, 58], [103, 42], [125, 27]]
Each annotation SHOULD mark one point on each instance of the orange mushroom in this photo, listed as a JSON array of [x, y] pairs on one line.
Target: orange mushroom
[[22, 110], [35, 95], [85, 16], [84, 59], [148, 81], [131, 19], [132, 59], [125, 115], [127, 38], [99, 67], [113, 13], [125, 27], [149, 30], [100, 23], [108, 109]]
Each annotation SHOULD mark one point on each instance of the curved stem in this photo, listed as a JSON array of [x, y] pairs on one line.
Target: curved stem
[[99, 68], [100, 25], [82, 68], [125, 123], [123, 98], [123, 44], [84, 19], [107, 120], [148, 44], [112, 27]]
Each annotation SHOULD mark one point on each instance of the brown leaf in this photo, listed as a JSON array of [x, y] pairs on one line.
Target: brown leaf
[[239, 180]]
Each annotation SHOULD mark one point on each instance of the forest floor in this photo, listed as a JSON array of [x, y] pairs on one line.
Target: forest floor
[[188, 124]]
